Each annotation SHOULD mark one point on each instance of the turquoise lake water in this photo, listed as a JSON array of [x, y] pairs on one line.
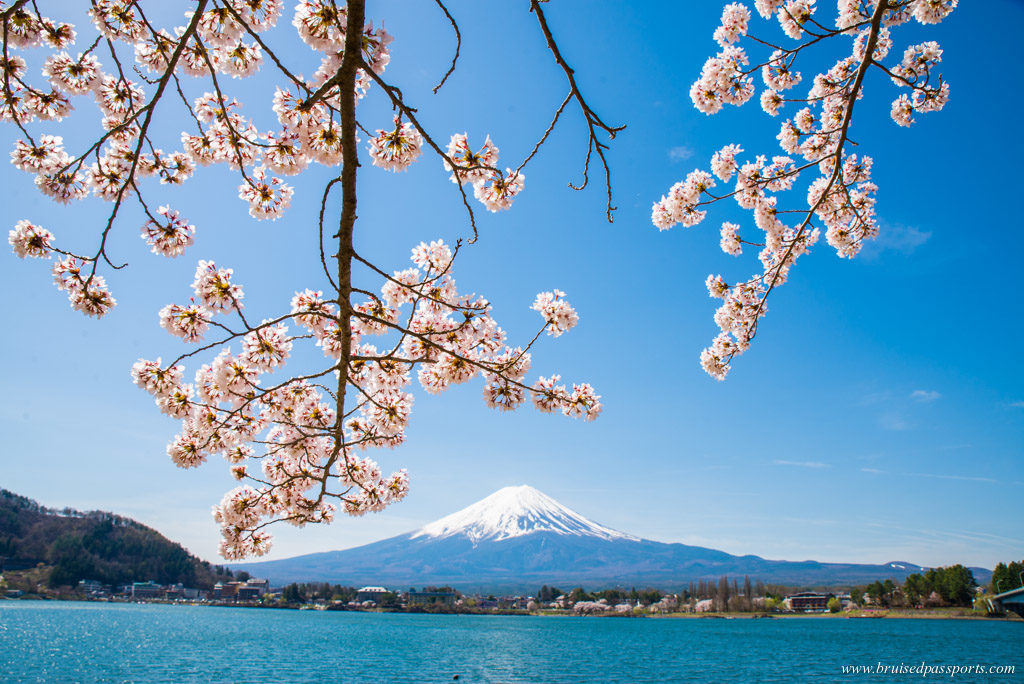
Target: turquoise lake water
[[65, 642]]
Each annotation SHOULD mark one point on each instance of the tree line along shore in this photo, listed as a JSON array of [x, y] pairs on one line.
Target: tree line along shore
[[70, 555]]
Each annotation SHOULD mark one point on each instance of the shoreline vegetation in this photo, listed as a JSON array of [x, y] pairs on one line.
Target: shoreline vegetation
[[940, 593], [97, 556], [948, 613]]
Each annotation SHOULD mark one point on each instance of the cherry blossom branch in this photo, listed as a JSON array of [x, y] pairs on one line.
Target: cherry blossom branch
[[842, 196], [395, 95], [876, 23], [346, 76], [307, 432], [458, 45], [593, 120]]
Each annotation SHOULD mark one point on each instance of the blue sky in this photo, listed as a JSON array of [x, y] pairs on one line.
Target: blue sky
[[878, 416]]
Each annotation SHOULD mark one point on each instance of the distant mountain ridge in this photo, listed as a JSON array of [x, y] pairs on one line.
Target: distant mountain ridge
[[519, 538]]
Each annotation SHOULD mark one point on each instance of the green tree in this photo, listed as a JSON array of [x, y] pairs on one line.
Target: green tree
[[1007, 577], [578, 594], [294, 594], [956, 585], [722, 598], [548, 594], [876, 592], [915, 589], [71, 562], [834, 605]]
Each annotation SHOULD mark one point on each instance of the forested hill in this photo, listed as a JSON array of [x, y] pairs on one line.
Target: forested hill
[[95, 545]]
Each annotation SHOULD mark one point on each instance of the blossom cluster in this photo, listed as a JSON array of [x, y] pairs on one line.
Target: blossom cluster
[[289, 441], [494, 189], [395, 150], [841, 196], [224, 135], [222, 40], [558, 314], [915, 72], [87, 291], [169, 237]]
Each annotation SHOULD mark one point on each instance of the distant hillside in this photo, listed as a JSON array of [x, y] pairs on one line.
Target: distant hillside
[[95, 545], [519, 538]]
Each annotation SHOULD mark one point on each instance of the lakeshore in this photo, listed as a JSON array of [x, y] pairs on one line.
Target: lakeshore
[[913, 614], [890, 614]]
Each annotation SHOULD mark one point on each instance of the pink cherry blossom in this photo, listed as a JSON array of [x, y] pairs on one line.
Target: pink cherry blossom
[[474, 166], [171, 238], [30, 240], [556, 311], [498, 191], [267, 197], [187, 322], [214, 289], [395, 150]]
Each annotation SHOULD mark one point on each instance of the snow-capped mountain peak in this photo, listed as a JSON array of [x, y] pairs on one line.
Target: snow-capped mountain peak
[[513, 512]]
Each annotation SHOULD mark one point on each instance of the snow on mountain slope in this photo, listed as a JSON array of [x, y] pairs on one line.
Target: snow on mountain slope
[[514, 512]]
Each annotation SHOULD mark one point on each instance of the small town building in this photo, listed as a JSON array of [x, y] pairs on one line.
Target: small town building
[[226, 590], [147, 590], [374, 594], [809, 601], [250, 590], [518, 602], [247, 593]]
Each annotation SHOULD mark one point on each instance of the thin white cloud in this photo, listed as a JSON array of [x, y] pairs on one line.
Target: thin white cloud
[[802, 464], [680, 153], [942, 476], [892, 421], [875, 398], [943, 534], [963, 478], [1017, 404], [924, 396], [896, 238]]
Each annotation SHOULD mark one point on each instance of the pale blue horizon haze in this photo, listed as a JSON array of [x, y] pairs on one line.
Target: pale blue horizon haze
[[878, 416]]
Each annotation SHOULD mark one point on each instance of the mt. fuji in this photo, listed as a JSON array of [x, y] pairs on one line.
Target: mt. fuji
[[518, 538], [514, 512]]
